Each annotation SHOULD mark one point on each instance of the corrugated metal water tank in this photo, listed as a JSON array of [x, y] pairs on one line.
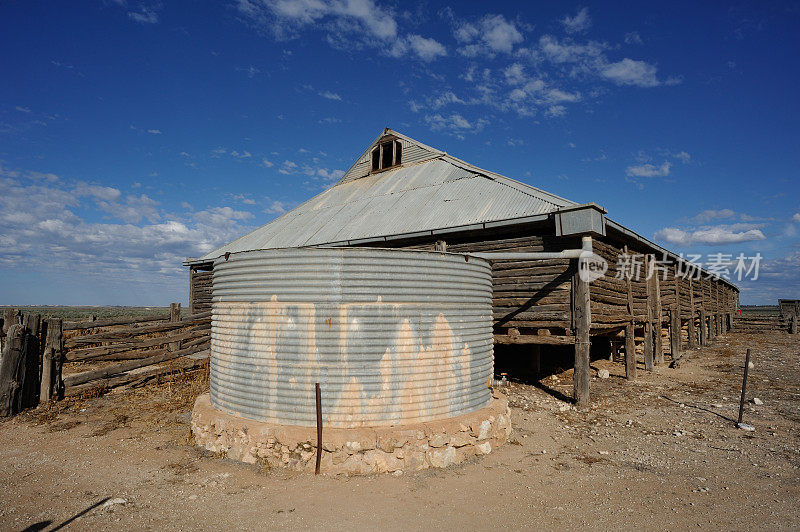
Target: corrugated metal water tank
[[393, 337]]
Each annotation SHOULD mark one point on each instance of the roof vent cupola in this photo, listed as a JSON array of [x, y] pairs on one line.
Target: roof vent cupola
[[388, 153]]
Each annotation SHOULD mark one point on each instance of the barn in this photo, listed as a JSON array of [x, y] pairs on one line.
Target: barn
[[400, 193]]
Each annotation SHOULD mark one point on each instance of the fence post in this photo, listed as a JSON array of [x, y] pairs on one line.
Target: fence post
[[52, 358], [11, 316], [12, 371], [174, 317]]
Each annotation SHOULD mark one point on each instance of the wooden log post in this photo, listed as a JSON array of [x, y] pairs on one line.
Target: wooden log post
[[648, 324], [658, 351], [175, 317], [711, 330], [51, 385], [793, 324], [691, 330], [582, 321], [12, 371], [703, 328], [674, 332], [678, 313], [630, 353], [11, 317]]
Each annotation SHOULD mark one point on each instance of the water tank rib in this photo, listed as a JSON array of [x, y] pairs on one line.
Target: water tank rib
[[392, 336]]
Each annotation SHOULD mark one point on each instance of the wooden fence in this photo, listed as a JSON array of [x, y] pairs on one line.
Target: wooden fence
[[47, 359], [765, 319]]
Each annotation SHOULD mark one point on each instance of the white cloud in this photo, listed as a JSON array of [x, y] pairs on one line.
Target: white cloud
[[133, 210], [683, 157], [22, 109], [649, 170], [275, 207], [154, 131], [328, 95], [145, 14], [97, 192], [348, 25], [580, 22], [40, 230], [251, 71], [491, 34], [454, 123], [630, 72], [633, 38], [221, 216], [266, 162], [425, 48], [711, 214], [796, 217], [568, 51], [711, 235], [499, 34]]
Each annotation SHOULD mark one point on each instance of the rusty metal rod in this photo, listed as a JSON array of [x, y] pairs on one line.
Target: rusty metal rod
[[744, 386], [319, 427]]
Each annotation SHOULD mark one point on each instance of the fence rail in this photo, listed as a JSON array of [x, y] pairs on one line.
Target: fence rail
[[33, 353]]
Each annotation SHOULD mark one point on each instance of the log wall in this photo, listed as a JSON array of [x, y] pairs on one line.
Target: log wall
[[200, 289]]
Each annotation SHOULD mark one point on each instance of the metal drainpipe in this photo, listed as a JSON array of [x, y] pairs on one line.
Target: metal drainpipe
[[538, 255]]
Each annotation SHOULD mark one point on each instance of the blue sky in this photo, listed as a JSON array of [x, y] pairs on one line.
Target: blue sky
[[134, 134]]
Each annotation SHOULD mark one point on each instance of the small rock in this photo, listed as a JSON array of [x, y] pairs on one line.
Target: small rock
[[757, 401], [398, 473], [603, 374], [602, 452], [750, 365]]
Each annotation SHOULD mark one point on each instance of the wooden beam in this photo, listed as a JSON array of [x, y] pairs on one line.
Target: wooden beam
[[533, 339], [674, 332]]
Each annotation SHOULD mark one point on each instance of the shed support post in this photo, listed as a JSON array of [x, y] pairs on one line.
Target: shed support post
[[691, 329], [703, 328], [582, 321], [630, 352], [648, 324], [793, 324], [658, 351], [711, 332], [674, 333]]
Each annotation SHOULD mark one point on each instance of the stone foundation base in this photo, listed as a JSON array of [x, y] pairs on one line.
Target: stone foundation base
[[354, 451]]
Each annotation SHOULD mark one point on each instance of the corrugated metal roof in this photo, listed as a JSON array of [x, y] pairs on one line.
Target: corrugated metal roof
[[436, 193]]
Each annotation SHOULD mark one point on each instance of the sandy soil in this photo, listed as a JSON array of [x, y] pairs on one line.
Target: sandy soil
[[661, 452]]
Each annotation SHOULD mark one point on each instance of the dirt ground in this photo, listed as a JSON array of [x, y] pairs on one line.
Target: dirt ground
[[660, 452]]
